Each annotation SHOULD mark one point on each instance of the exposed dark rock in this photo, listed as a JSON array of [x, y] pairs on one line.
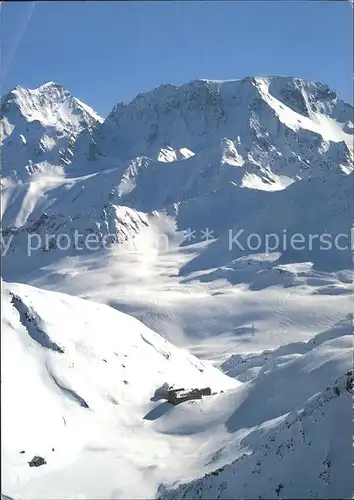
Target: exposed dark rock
[[349, 381], [278, 489], [37, 461]]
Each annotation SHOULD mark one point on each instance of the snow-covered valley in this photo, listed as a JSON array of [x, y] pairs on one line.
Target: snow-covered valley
[[119, 268]]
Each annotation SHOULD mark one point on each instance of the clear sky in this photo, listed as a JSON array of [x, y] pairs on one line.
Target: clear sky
[[105, 52]]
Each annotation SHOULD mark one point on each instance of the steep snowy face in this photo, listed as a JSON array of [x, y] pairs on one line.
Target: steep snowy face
[[263, 132], [307, 98], [50, 104], [253, 113], [39, 128]]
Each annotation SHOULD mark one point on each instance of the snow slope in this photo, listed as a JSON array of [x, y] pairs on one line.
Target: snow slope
[[308, 454], [299, 416], [77, 382], [80, 384], [246, 367], [284, 213]]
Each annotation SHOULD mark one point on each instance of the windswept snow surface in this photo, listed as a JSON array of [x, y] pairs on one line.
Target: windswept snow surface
[[163, 184]]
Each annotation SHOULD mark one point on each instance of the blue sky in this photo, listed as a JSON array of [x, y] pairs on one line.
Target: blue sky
[[105, 52]]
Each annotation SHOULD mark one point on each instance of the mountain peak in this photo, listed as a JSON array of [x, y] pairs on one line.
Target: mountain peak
[[45, 87], [50, 84], [48, 118], [50, 103]]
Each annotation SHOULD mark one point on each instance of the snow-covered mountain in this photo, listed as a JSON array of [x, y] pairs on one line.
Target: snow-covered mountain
[[256, 132], [256, 114], [178, 149], [39, 128], [160, 187]]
